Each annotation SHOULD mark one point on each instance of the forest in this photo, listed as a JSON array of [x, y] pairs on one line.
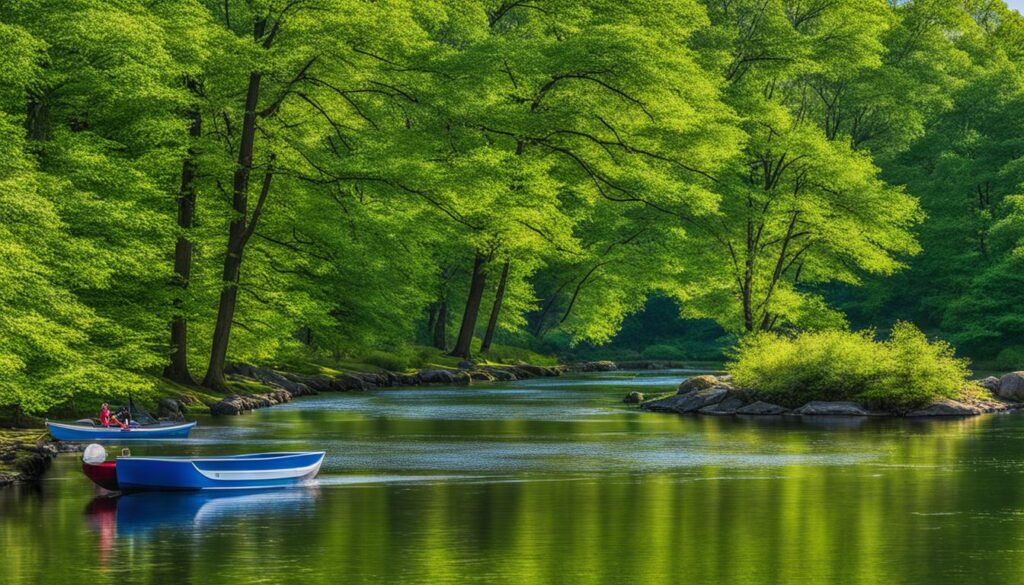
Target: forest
[[187, 183]]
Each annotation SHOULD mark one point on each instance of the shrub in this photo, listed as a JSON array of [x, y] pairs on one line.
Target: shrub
[[899, 374], [388, 361], [1011, 358]]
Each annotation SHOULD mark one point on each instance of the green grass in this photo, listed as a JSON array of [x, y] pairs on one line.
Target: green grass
[[901, 373]]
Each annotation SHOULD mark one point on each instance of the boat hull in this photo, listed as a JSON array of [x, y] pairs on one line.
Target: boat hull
[[255, 471], [73, 432]]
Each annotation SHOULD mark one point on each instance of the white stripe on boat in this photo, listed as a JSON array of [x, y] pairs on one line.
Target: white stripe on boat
[[245, 475]]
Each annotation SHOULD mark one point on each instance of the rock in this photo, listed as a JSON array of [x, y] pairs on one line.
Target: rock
[[236, 404], [725, 379], [947, 407], [169, 408], [838, 408], [407, 380], [317, 383], [268, 376], [233, 404], [461, 378], [348, 383], [697, 383], [760, 408], [990, 383], [537, 371], [481, 376], [634, 397], [732, 402], [598, 366], [466, 365], [689, 402], [436, 377], [502, 374], [1011, 387]]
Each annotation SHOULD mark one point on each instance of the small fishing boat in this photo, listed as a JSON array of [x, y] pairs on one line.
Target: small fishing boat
[[87, 430], [250, 471], [139, 424]]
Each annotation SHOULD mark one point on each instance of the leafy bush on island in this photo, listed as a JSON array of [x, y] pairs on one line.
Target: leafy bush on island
[[898, 374]]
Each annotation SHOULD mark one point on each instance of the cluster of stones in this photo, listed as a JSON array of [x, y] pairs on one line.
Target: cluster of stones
[[23, 457], [285, 385], [715, 395]]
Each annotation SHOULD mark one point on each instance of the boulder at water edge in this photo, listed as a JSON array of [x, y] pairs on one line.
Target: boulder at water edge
[[634, 397], [839, 408], [697, 383], [947, 407], [762, 409], [1011, 387]]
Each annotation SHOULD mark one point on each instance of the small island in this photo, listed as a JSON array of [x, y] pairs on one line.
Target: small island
[[842, 373]]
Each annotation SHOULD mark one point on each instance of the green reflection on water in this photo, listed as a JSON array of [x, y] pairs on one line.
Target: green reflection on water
[[563, 485]]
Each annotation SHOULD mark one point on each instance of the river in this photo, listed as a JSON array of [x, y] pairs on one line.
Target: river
[[549, 481]]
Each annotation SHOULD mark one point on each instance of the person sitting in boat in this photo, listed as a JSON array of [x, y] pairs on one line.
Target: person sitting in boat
[[106, 418]]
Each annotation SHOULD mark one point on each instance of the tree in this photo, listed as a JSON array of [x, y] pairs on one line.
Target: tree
[[800, 206]]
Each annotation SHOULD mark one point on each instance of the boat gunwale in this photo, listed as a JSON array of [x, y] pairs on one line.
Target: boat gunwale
[[140, 428], [241, 457]]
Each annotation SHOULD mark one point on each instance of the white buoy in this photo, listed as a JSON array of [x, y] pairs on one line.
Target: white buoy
[[94, 454]]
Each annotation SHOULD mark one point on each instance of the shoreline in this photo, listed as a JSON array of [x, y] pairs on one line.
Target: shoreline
[[282, 386], [716, 396]]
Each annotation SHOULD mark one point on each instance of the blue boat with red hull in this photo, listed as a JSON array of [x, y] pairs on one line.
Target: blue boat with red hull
[[250, 471]]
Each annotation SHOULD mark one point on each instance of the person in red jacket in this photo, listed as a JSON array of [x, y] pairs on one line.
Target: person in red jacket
[[106, 418]]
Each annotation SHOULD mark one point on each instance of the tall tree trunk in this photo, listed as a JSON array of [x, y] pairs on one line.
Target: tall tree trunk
[[431, 315], [492, 323], [441, 326], [177, 369], [37, 118], [236, 240], [463, 345]]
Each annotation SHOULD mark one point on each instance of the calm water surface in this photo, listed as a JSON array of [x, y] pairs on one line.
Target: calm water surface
[[549, 481]]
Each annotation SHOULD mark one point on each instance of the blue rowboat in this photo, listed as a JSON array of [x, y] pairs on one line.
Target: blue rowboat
[[87, 431], [252, 471]]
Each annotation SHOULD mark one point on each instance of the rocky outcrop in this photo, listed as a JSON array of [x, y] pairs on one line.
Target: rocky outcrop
[[838, 408], [237, 404], [1011, 387], [947, 407], [539, 371], [760, 408], [697, 383], [733, 401], [23, 456], [272, 378], [597, 366], [990, 383], [634, 397], [481, 376], [689, 402]]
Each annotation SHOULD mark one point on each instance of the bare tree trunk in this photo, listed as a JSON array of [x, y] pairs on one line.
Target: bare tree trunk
[[492, 323], [177, 369], [236, 240], [441, 326], [463, 345]]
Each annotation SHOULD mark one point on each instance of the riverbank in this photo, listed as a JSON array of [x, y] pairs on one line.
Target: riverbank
[[25, 454], [718, 396], [270, 386]]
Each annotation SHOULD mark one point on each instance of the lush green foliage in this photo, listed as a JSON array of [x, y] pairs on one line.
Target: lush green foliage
[[899, 373], [189, 182]]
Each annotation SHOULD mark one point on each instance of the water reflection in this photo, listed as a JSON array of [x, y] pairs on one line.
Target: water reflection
[[145, 514], [563, 486]]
